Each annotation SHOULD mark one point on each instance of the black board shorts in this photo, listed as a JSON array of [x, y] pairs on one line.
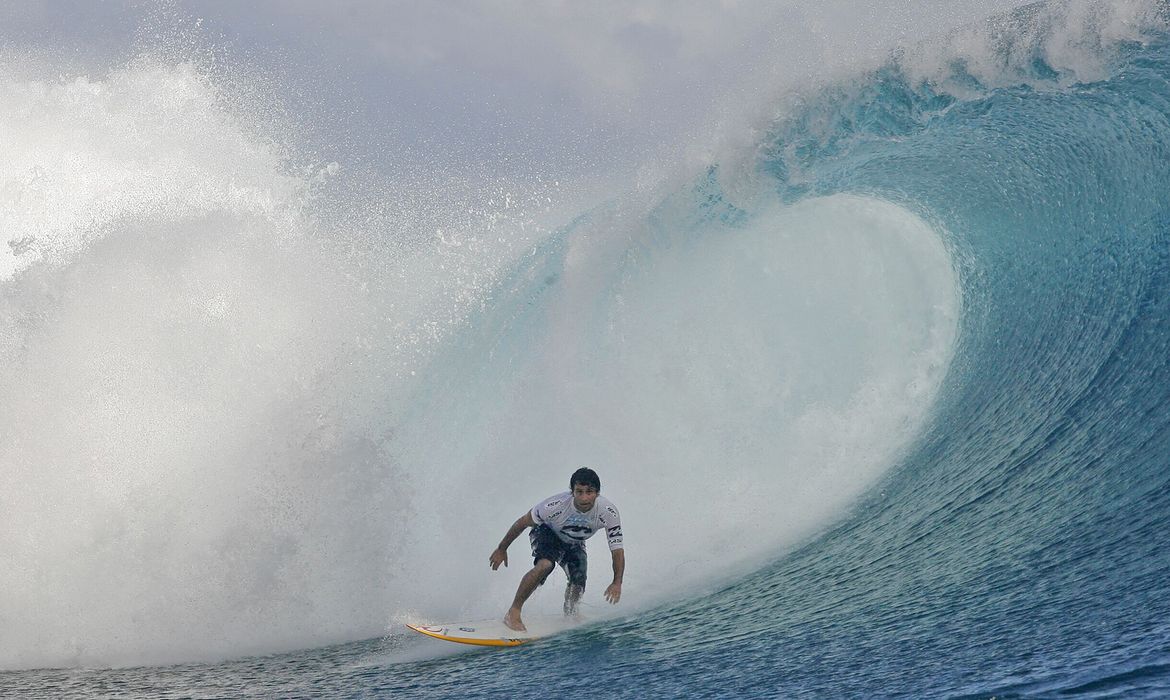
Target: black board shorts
[[571, 557]]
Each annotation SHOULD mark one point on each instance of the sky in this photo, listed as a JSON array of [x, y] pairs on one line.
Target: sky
[[576, 87]]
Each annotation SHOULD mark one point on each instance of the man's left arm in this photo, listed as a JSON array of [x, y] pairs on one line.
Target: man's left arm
[[614, 593]]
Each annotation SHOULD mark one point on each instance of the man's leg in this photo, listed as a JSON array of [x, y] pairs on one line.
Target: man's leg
[[572, 596], [576, 566], [528, 584]]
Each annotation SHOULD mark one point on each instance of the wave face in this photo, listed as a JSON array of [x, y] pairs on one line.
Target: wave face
[[892, 419], [1015, 550]]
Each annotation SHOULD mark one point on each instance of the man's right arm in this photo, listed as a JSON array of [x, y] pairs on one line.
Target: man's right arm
[[500, 556]]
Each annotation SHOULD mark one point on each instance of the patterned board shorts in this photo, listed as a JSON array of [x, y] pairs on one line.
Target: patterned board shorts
[[571, 557]]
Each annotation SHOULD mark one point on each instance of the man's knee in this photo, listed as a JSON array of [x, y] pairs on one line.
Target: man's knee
[[542, 569]]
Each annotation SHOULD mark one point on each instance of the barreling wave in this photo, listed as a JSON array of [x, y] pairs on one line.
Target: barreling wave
[[1014, 548], [887, 420]]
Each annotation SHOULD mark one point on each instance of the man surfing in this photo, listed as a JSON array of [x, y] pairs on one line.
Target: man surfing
[[560, 525]]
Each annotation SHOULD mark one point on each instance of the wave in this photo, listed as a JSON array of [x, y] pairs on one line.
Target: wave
[[256, 405], [198, 441]]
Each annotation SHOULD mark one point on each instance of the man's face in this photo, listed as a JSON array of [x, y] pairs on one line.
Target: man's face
[[583, 497]]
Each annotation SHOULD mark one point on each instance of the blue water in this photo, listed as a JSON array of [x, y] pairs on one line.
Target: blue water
[[1018, 548]]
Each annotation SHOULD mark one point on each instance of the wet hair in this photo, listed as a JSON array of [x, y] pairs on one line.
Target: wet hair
[[586, 477]]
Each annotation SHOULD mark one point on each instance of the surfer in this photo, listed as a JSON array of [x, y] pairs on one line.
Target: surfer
[[560, 525]]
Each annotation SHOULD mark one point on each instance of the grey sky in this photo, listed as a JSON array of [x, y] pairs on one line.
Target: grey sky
[[576, 83]]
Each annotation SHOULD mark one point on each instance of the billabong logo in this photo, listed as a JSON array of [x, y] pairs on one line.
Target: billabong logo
[[577, 532]]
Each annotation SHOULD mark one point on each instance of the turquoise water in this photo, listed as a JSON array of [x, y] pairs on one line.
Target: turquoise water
[[1009, 543]]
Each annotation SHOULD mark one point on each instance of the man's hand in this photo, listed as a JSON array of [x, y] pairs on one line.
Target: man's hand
[[614, 593], [500, 556]]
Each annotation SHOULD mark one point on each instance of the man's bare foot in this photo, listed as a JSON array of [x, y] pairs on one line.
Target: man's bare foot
[[513, 621]]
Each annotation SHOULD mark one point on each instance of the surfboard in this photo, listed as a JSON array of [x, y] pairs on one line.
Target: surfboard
[[494, 633]]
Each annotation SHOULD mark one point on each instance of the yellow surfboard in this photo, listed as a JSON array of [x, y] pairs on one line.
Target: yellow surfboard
[[494, 633]]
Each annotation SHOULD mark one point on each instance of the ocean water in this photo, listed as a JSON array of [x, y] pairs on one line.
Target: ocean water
[[882, 389]]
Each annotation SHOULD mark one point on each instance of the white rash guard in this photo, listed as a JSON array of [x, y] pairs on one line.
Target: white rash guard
[[573, 526]]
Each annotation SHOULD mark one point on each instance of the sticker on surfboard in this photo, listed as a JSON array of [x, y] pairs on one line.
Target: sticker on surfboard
[[494, 633]]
